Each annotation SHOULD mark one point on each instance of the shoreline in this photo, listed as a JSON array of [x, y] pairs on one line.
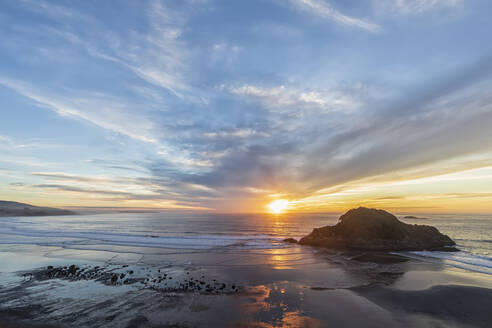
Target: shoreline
[[283, 291]]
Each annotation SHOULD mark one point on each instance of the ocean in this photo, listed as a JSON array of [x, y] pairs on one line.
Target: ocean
[[198, 235]]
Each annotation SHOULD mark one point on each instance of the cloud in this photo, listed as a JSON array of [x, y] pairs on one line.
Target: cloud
[[156, 55], [88, 191], [414, 7], [94, 108], [127, 188], [113, 195], [27, 161], [76, 178], [8, 143], [298, 112], [441, 121], [282, 98], [235, 133], [159, 56], [54, 10], [323, 9], [444, 120]]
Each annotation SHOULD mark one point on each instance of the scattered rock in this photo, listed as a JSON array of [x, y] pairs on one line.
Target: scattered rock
[[290, 240], [112, 276], [72, 269]]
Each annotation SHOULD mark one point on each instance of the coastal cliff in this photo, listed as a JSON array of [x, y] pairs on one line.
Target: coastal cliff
[[372, 229], [20, 209]]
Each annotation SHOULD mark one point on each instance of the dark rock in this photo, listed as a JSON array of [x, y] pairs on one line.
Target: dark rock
[[72, 269], [377, 230], [290, 240], [414, 217]]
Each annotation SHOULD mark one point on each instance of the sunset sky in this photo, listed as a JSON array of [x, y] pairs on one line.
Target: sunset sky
[[231, 105]]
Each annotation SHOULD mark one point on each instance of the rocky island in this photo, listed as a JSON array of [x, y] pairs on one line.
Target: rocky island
[[8, 208], [377, 230], [414, 217]]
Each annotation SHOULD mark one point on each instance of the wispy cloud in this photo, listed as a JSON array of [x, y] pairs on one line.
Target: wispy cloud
[[156, 55], [9, 143], [235, 133], [371, 148], [325, 10], [126, 188], [26, 161], [54, 10], [413, 7], [283, 98], [427, 127], [5, 140], [165, 54], [94, 108]]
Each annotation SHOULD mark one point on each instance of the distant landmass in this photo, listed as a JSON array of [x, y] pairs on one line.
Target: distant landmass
[[414, 217], [20, 209]]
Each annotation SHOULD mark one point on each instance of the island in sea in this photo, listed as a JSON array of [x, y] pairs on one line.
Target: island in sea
[[377, 230]]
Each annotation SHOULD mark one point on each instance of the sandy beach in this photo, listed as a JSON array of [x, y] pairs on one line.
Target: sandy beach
[[298, 286]]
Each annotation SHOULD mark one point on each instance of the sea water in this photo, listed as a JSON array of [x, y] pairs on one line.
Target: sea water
[[224, 233]]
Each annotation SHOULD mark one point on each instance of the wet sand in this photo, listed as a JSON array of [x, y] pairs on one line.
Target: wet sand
[[293, 287]]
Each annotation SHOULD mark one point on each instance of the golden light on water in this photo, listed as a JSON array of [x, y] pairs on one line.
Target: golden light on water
[[278, 206]]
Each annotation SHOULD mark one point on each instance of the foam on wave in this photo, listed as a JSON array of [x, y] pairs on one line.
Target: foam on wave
[[461, 259], [259, 241]]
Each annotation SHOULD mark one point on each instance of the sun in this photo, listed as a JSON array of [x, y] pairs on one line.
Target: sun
[[278, 206]]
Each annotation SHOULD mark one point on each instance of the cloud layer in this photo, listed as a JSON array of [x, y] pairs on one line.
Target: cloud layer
[[225, 105]]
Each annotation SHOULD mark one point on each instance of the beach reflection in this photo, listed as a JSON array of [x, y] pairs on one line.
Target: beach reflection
[[280, 258], [277, 305]]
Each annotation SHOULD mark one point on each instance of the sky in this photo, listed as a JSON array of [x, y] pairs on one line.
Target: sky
[[230, 105]]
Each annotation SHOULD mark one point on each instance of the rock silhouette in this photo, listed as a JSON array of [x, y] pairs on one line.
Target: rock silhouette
[[372, 229]]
